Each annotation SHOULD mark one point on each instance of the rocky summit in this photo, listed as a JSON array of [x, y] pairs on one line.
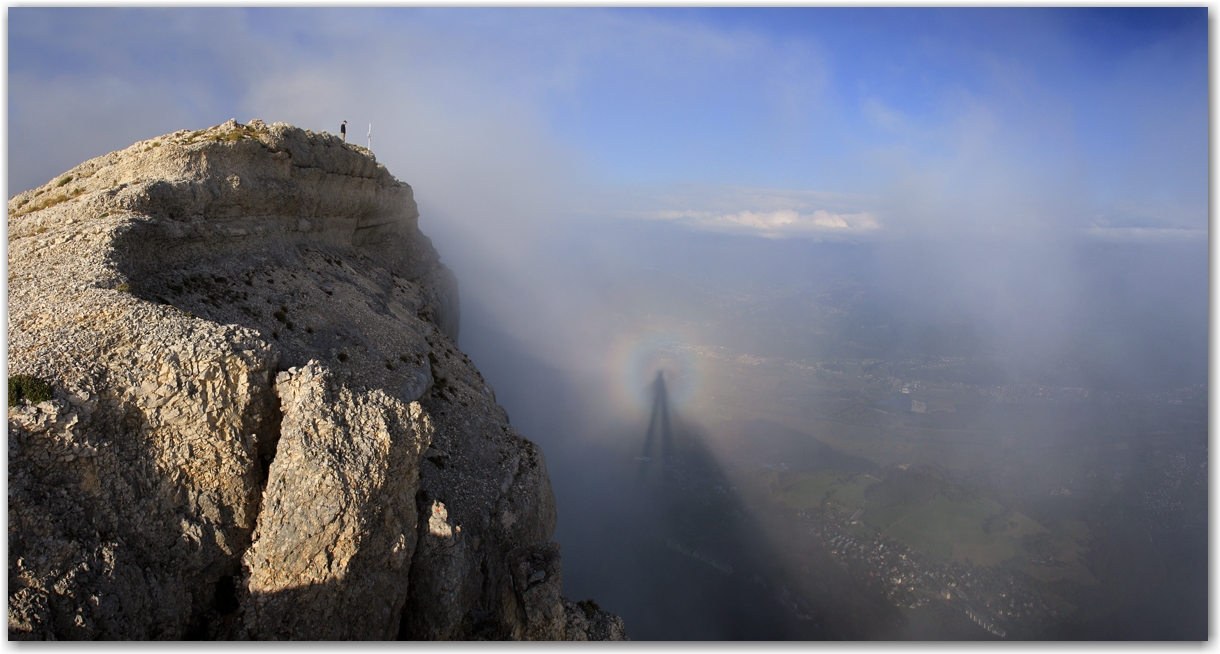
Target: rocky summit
[[260, 425]]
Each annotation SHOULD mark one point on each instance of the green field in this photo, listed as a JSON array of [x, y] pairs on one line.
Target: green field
[[807, 490], [956, 529], [978, 530], [986, 450]]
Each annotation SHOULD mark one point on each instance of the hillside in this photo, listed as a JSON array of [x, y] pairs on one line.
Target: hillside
[[261, 425]]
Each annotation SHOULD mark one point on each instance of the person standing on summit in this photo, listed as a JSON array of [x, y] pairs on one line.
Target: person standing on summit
[[343, 131]]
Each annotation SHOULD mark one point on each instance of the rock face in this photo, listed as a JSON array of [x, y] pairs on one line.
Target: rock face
[[261, 425], [335, 538]]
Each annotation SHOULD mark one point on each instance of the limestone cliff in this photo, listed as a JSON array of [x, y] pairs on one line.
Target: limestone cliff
[[261, 424]]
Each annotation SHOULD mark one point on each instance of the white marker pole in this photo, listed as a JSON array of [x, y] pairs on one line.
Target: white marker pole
[[370, 136]]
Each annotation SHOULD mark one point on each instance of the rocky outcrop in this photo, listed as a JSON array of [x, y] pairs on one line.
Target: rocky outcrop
[[261, 425], [338, 528]]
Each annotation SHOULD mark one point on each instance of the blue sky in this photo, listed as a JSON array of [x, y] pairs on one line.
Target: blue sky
[[889, 122], [563, 158]]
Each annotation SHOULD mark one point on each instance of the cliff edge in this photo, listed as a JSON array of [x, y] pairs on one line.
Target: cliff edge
[[260, 424]]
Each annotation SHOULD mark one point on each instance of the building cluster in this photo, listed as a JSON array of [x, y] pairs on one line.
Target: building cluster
[[1037, 393], [1182, 474], [1185, 394], [990, 596]]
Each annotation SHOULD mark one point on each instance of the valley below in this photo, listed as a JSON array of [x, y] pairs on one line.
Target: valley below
[[912, 486]]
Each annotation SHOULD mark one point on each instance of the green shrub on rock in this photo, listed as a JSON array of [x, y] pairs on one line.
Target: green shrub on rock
[[26, 387]]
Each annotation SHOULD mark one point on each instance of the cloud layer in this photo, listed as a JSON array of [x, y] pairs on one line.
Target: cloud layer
[[938, 121]]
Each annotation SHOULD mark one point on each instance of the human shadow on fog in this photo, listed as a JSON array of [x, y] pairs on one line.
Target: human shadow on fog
[[691, 559]]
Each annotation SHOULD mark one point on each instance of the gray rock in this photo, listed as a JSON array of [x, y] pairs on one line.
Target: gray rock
[[537, 582], [174, 487], [337, 532]]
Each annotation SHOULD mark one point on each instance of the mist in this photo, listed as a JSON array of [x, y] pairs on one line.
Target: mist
[[927, 290], [1120, 317]]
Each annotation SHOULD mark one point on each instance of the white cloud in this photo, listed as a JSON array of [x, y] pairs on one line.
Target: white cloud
[[771, 213], [780, 223], [882, 116]]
